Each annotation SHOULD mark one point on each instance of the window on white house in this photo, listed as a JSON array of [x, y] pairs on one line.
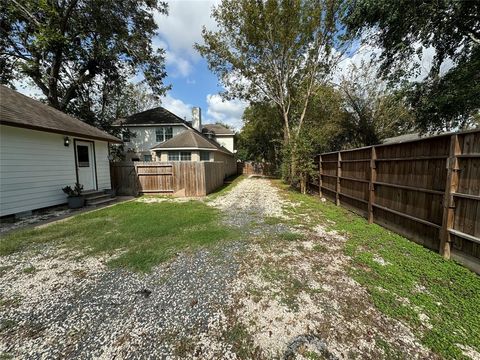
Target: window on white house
[[163, 134], [185, 156], [204, 155], [147, 157]]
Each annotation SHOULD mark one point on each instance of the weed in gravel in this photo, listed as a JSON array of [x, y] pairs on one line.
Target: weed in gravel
[[29, 270], [272, 220], [241, 341], [291, 236], [439, 299]]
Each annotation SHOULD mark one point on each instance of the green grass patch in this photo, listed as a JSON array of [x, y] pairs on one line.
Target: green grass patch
[[272, 220], [291, 236], [225, 188], [412, 281], [145, 234], [29, 270]]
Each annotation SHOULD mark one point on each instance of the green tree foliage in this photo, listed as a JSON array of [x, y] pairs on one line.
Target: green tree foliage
[[274, 51], [372, 112], [452, 29], [261, 136], [79, 51]]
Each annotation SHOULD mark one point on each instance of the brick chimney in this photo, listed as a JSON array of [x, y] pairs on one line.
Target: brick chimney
[[197, 118]]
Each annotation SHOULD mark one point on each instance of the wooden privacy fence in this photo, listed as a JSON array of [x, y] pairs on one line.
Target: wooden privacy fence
[[427, 190], [255, 168], [182, 178]]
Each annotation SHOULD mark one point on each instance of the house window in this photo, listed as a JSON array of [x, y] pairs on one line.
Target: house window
[[185, 155], [163, 134], [173, 156], [204, 155], [82, 156], [147, 157]]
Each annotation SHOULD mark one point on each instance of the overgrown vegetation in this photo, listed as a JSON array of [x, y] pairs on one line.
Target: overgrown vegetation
[[138, 235], [438, 299]]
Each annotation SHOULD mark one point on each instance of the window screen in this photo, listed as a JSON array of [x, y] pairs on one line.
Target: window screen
[[185, 156], [173, 156], [83, 156]]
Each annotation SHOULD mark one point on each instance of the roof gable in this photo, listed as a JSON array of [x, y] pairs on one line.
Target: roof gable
[[190, 139], [217, 129], [21, 111]]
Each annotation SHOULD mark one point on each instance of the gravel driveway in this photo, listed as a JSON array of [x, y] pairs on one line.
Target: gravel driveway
[[282, 292]]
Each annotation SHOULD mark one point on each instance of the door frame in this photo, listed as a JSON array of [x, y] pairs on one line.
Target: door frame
[[94, 159]]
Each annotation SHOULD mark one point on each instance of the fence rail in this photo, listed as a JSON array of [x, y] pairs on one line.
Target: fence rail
[[183, 178], [427, 190]]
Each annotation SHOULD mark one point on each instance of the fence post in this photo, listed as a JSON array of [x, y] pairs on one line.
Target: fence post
[[339, 174], [448, 201], [320, 176], [371, 184]]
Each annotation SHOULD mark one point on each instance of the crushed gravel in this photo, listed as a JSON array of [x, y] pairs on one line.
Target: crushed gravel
[[70, 307]]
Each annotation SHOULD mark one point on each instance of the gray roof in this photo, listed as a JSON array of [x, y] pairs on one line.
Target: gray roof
[[21, 111], [217, 129], [190, 139], [155, 116]]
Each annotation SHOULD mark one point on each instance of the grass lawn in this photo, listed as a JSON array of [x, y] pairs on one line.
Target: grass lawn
[[144, 234], [412, 282]]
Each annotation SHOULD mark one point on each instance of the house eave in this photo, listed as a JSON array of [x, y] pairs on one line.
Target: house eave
[[62, 132]]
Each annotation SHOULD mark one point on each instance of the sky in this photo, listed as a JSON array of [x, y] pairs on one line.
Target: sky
[[193, 84]]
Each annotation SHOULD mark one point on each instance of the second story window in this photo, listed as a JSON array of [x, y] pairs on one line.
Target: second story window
[[163, 134]]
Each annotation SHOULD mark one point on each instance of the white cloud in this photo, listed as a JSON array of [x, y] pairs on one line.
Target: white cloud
[[177, 106], [183, 25], [228, 111]]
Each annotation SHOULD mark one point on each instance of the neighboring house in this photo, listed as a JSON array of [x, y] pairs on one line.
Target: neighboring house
[[159, 135], [42, 150]]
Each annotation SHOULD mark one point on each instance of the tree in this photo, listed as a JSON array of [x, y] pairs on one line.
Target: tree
[[451, 28], [274, 51], [76, 50], [261, 136], [372, 112]]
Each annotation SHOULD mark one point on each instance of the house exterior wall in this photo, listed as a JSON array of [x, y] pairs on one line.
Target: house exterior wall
[[35, 166], [226, 141], [145, 137]]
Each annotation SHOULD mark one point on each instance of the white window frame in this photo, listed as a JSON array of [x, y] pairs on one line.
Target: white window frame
[[163, 134]]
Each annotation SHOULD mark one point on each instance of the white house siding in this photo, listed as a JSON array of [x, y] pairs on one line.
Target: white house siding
[[225, 141], [145, 137], [35, 165]]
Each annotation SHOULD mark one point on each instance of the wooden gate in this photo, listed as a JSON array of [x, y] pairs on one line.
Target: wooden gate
[[155, 177]]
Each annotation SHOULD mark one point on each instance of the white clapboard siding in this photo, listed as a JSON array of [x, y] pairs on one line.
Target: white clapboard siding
[[35, 165]]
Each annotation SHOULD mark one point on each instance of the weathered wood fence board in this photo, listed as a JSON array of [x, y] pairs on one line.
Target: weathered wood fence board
[[255, 168], [183, 178], [427, 190]]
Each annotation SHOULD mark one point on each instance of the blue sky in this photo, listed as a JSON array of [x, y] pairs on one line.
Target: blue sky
[[193, 84]]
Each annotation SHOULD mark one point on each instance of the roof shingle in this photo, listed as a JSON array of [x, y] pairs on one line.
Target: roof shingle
[[155, 116], [190, 139], [21, 111]]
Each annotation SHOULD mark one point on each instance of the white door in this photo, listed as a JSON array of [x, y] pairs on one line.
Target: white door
[[85, 165]]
